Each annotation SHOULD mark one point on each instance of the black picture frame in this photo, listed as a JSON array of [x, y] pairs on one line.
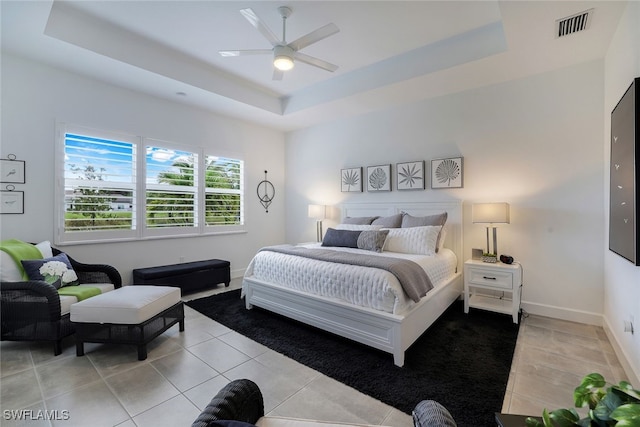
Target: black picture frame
[[12, 171], [624, 218], [11, 202]]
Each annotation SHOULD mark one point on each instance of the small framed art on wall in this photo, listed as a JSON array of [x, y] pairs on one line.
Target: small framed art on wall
[[410, 175], [446, 173], [351, 180], [379, 178]]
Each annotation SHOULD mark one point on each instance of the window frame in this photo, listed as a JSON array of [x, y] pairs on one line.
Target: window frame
[[140, 230]]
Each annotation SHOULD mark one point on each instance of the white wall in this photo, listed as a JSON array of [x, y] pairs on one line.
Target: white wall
[[34, 97], [535, 143], [622, 279]]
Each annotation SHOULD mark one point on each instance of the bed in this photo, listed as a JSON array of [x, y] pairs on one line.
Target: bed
[[388, 326]]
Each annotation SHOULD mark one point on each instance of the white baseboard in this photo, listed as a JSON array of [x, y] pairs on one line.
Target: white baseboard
[[563, 313], [237, 273], [632, 376]]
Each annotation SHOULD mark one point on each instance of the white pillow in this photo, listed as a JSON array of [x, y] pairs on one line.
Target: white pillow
[[9, 271], [45, 249], [413, 240], [357, 227]]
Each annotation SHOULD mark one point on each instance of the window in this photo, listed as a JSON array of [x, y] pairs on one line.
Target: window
[[223, 191], [116, 187]]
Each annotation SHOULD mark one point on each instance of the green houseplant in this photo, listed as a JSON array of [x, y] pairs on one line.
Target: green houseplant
[[489, 257], [615, 405]]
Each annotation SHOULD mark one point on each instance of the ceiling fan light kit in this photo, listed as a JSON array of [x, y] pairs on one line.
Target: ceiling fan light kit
[[285, 53], [283, 58]]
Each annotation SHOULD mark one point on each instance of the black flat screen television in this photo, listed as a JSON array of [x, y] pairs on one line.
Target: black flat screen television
[[624, 218]]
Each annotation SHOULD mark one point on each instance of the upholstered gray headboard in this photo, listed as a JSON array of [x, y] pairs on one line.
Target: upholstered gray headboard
[[453, 239]]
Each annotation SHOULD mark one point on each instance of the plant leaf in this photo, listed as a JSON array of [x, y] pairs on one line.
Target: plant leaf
[[628, 389], [564, 417], [627, 412], [607, 404], [532, 422]]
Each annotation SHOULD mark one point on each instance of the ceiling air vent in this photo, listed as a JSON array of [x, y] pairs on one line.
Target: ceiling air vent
[[574, 23]]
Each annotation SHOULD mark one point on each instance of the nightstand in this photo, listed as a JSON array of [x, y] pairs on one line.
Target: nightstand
[[505, 279]]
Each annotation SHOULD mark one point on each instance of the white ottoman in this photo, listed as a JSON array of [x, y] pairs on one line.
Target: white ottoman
[[128, 315]]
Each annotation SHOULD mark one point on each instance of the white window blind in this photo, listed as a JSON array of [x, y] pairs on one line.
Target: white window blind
[[99, 182], [171, 187], [224, 188], [121, 187]]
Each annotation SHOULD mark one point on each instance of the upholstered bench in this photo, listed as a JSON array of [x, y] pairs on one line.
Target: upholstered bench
[[128, 315], [188, 276]]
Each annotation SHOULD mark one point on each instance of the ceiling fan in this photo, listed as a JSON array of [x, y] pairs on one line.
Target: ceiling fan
[[285, 53]]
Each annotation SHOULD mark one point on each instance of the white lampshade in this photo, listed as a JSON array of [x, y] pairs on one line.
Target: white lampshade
[[490, 213], [317, 211]]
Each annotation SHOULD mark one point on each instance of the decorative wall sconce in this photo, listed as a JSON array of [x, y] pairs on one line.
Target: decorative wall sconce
[[266, 192]]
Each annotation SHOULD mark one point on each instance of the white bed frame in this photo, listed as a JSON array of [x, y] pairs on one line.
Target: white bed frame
[[388, 332]]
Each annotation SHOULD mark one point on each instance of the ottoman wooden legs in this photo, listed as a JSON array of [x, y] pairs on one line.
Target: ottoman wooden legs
[[139, 334]]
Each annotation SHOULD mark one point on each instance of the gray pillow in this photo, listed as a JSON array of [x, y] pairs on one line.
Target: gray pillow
[[391, 221], [372, 240], [341, 238], [359, 220], [419, 221]]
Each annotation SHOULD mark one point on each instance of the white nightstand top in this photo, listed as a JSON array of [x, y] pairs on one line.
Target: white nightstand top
[[480, 263]]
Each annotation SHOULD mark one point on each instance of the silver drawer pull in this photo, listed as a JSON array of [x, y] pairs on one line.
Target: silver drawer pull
[[488, 278]]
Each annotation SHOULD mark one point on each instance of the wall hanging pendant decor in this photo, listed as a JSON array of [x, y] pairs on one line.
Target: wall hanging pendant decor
[[11, 202], [12, 170], [624, 192], [266, 192]]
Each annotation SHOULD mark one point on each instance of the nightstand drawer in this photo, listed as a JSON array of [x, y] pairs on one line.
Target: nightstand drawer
[[492, 278]]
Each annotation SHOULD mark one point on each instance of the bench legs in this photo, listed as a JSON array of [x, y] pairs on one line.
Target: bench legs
[[139, 335], [79, 347]]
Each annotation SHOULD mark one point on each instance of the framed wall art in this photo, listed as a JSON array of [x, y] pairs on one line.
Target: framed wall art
[[351, 180], [11, 202], [379, 178], [447, 173], [410, 175], [624, 215], [12, 170]]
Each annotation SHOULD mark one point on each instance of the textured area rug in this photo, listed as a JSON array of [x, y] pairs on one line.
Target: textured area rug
[[461, 361]]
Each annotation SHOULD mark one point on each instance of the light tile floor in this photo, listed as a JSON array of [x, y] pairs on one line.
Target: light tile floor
[[110, 387]]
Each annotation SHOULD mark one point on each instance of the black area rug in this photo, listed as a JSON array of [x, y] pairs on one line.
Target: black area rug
[[461, 361]]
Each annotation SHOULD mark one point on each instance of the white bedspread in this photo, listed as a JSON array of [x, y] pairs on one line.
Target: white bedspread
[[362, 286]]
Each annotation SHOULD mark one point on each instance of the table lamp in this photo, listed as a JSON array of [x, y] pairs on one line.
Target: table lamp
[[490, 214], [318, 212]]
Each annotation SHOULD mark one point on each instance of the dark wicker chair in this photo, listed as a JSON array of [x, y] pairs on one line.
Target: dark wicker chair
[[241, 400], [30, 310]]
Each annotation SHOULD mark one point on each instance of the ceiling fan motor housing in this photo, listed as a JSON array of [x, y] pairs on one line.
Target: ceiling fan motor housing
[[283, 57]]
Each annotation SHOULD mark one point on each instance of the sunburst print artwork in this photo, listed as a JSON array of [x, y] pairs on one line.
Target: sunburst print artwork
[[351, 180], [410, 176], [446, 173]]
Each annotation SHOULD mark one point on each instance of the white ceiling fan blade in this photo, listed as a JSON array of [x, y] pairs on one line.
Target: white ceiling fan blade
[[277, 74], [315, 62], [260, 26], [245, 52], [314, 36]]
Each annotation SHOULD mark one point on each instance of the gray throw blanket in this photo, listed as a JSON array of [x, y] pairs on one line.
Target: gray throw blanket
[[412, 277]]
